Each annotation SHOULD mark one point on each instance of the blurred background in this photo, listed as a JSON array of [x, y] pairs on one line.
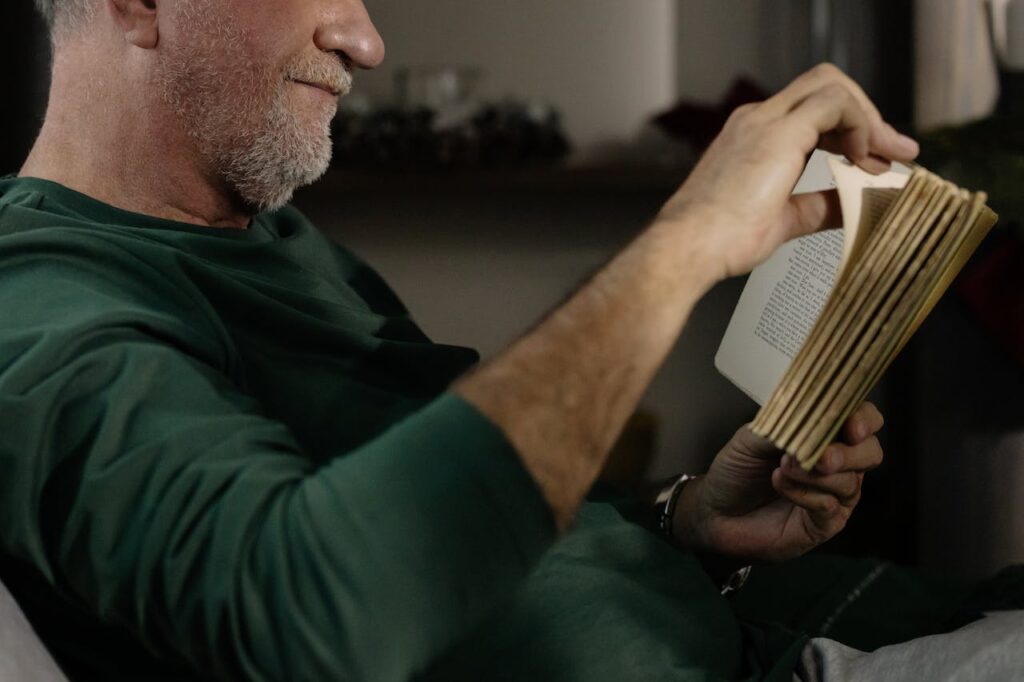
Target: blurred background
[[506, 150]]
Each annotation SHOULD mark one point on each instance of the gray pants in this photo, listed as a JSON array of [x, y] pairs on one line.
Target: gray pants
[[23, 658], [991, 649]]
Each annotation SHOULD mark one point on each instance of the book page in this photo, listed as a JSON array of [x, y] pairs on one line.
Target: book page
[[777, 412], [948, 254], [907, 247], [985, 222], [857, 298], [784, 296], [863, 198], [778, 308], [754, 361]]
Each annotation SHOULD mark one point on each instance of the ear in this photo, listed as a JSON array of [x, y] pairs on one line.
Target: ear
[[138, 20]]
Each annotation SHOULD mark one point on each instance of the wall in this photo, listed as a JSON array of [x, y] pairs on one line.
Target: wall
[[719, 41], [970, 423], [480, 268], [606, 64], [770, 41]]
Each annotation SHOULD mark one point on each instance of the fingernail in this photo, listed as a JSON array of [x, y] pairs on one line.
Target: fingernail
[[836, 460], [860, 429]]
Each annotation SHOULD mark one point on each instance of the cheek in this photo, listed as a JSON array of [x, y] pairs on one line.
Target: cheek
[[276, 26]]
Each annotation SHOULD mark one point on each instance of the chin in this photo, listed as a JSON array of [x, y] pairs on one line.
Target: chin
[[265, 174], [275, 186]]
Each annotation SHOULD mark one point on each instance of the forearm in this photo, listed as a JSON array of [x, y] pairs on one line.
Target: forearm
[[563, 392]]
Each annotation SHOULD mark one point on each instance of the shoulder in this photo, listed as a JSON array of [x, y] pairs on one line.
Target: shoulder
[[66, 280]]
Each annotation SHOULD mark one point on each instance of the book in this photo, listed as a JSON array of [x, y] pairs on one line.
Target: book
[[820, 321]]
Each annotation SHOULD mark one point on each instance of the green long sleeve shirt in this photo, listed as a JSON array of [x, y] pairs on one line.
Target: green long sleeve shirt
[[229, 454]]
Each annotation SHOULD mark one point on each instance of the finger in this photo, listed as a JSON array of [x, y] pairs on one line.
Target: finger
[[838, 457], [809, 498], [811, 212], [865, 422], [833, 110], [872, 162], [814, 79], [844, 486], [824, 515], [885, 142], [882, 146], [748, 444], [888, 143]]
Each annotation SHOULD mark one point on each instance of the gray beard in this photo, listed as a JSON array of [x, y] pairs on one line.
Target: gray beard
[[241, 123], [266, 167]]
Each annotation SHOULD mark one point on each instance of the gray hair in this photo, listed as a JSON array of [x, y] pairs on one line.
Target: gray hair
[[64, 14]]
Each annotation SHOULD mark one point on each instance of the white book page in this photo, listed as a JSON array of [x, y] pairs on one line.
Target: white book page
[[775, 313], [784, 296]]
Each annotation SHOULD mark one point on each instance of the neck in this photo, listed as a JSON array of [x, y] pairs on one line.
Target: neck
[[101, 138]]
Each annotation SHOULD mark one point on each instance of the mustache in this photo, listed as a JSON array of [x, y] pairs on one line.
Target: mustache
[[329, 73]]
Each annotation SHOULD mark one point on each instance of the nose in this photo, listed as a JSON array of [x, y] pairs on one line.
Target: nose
[[347, 30]]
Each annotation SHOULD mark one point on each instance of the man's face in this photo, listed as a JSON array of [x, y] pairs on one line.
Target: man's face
[[256, 85]]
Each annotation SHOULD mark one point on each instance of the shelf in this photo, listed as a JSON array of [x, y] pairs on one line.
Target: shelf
[[529, 179]]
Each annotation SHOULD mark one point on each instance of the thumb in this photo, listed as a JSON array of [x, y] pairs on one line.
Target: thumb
[[811, 212], [747, 443]]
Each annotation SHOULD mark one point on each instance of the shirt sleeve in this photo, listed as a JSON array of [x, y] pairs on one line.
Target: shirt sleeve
[[139, 481]]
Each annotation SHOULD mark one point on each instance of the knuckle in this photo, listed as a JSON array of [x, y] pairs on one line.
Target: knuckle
[[743, 113], [852, 487], [877, 450], [821, 502], [827, 70], [839, 523], [837, 91], [805, 136]]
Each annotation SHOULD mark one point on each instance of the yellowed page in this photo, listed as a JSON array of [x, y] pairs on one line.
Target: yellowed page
[[908, 258], [938, 269], [982, 227], [862, 210], [843, 319], [852, 185]]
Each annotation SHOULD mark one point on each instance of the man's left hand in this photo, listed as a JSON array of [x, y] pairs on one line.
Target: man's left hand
[[756, 503]]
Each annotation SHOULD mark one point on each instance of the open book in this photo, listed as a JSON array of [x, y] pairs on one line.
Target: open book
[[820, 321]]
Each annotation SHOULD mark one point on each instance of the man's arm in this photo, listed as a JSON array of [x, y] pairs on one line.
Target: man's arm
[[152, 493], [563, 392]]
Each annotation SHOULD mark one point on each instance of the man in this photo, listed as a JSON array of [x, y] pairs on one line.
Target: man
[[230, 454]]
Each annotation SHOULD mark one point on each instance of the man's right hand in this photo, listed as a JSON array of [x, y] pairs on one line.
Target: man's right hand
[[740, 191], [563, 392]]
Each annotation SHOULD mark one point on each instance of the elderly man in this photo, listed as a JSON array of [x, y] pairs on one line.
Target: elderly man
[[229, 453]]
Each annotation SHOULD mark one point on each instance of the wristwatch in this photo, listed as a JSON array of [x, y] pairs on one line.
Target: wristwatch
[[665, 503], [665, 508]]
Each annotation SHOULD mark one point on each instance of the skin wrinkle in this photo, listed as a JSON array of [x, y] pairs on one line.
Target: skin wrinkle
[[239, 112]]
